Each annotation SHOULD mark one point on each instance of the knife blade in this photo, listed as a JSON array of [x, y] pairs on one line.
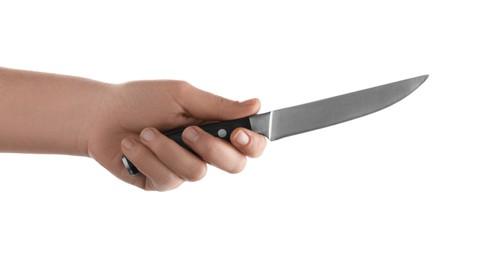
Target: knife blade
[[302, 118]]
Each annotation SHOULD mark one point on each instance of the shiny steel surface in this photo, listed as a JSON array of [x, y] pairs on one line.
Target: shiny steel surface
[[326, 112]]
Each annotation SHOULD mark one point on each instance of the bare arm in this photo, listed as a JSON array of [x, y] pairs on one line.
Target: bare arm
[[49, 113]]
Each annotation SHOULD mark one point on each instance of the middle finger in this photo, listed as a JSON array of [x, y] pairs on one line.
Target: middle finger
[[214, 150]]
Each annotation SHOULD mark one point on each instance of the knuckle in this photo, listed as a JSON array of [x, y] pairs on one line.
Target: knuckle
[[149, 186], [254, 154], [159, 146], [137, 154], [180, 88], [153, 187], [238, 166], [257, 147], [222, 107], [197, 171], [182, 84], [163, 184], [210, 150], [217, 155]]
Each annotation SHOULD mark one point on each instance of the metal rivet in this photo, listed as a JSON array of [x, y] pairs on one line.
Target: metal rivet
[[222, 133]]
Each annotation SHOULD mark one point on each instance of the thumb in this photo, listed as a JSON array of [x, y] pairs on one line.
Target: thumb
[[204, 105]]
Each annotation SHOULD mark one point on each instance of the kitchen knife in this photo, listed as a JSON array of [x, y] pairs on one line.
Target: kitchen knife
[[307, 117]]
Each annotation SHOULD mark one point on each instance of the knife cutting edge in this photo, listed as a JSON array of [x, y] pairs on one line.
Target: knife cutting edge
[[302, 118]]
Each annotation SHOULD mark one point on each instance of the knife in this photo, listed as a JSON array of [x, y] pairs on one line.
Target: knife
[[294, 120]]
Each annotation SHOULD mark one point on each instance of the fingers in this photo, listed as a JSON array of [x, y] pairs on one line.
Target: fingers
[[167, 165], [159, 176], [202, 104], [180, 161], [248, 142], [214, 150]]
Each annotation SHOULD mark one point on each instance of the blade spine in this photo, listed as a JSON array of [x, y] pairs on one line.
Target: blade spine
[[422, 78]]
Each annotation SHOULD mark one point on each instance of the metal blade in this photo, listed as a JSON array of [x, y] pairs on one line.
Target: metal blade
[[326, 112]]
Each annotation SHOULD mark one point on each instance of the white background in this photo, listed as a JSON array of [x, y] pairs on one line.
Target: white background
[[409, 182]]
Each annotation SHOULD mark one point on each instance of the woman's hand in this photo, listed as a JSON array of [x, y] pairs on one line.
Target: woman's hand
[[131, 114]]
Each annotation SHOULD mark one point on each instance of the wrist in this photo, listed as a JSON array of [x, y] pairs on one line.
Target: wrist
[[47, 113], [98, 112]]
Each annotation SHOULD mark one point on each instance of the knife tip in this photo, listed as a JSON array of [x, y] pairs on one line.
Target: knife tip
[[423, 78]]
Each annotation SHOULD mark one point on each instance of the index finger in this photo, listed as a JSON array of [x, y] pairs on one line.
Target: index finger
[[204, 105]]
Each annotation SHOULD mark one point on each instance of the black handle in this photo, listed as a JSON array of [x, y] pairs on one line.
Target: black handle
[[221, 129]]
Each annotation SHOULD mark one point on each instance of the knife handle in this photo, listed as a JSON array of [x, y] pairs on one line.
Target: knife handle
[[221, 130]]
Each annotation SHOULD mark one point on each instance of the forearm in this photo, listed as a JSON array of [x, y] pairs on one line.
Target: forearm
[[47, 113]]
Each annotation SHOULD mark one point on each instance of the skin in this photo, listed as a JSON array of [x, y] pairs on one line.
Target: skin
[[49, 113]]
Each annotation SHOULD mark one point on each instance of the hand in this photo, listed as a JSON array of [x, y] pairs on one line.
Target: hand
[[131, 115]]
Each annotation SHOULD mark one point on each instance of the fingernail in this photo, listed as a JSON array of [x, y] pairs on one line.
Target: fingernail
[[241, 138], [147, 135], [190, 134], [128, 144]]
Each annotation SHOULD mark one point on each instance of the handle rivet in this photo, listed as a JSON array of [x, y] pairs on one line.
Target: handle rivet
[[222, 133]]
